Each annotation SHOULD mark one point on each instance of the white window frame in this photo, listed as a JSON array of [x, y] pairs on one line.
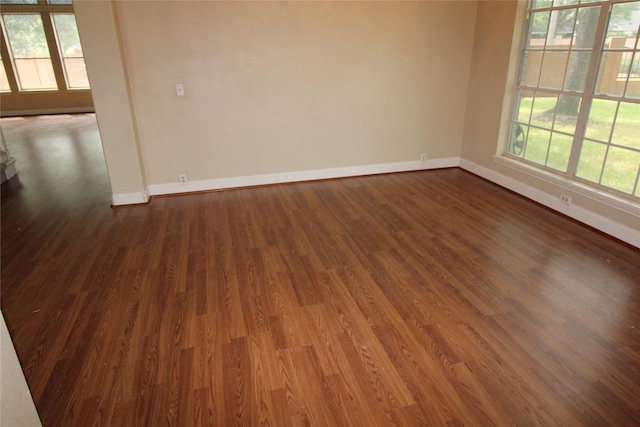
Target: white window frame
[[624, 202], [46, 12]]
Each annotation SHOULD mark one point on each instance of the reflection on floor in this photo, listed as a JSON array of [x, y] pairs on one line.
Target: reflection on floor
[[60, 162]]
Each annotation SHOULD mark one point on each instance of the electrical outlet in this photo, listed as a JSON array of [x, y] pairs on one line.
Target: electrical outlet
[[423, 157], [179, 89], [565, 199], [183, 179]]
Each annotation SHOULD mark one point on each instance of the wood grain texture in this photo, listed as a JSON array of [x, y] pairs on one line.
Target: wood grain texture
[[421, 298]]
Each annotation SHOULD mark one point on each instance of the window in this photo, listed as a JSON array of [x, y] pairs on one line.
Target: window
[[70, 49], [29, 50], [577, 103], [41, 46]]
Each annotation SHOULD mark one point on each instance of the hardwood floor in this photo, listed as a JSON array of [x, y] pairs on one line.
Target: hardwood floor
[[422, 298]]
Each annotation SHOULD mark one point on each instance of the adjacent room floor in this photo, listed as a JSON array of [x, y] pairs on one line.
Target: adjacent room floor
[[421, 298]]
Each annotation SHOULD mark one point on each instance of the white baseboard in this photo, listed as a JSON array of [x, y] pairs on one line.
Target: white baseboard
[[129, 198], [597, 221], [300, 176]]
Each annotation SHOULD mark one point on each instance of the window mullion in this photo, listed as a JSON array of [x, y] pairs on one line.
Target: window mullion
[[587, 97], [54, 51]]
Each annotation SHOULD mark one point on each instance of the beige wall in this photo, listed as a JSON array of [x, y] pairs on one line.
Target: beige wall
[[291, 86], [102, 45], [276, 87], [489, 78], [16, 404]]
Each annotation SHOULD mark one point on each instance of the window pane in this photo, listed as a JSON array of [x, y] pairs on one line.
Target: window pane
[[523, 107], [28, 46], [591, 161], [585, 30], [553, 69], [559, 151], [623, 23], [626, 59], [601, 119], [537, 29], [71, 50], [537, 146], [518, 138], [531, 68], [18, 1], [633, 86], [575, 79], [567, 113], [59, 1], [627, 126], [560, 29], [611, 66], [621, 169], [4, 82], [544, 106], [538, 4]]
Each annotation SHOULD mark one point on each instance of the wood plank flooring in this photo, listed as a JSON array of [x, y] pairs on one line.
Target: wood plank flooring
[[422, 298]]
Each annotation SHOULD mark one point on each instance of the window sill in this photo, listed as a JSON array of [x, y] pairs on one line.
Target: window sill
[[577, 187]]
